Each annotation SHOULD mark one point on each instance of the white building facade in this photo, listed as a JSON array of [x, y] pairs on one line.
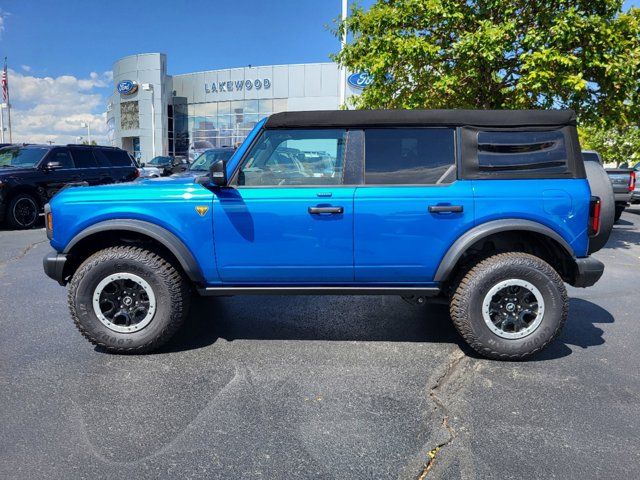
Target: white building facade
[[152, 113]]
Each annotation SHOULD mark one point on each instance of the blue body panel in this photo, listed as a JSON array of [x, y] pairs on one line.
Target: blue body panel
[[267, 235], [166, 202], [397, 239], [560, 204]]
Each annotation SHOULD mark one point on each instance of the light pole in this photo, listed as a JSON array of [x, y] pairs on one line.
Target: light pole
[[88, 127], [149, 88], [343, 43]]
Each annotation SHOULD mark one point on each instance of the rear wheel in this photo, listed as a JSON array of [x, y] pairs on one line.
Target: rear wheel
[[22, 212], [128, 300], [509, 306]]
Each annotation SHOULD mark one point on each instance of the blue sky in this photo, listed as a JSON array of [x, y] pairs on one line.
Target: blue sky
[[61, 52]]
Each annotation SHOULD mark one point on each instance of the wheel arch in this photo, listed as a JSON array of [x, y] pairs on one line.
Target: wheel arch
[[30, 190], [556, 248], [130, 231]]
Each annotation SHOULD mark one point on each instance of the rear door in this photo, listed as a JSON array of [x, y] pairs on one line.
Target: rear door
[[411, 207], [117, 163], [87, 166], [288, 216]]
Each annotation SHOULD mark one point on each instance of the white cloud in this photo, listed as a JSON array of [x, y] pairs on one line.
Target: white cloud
[[3, 18], [26, 68], [46, 108]]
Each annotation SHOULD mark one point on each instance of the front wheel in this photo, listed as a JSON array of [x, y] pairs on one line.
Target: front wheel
[[23, 211], [509, 306], [128, 300]]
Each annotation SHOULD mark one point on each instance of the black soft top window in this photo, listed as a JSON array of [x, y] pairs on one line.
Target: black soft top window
[[522, 151], [409, 156]]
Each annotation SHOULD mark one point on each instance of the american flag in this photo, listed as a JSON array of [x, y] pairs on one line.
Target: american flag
[[5, 83]]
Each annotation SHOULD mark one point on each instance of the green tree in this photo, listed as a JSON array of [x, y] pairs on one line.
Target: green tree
[[85, 142], [580, 54], [614, 144]]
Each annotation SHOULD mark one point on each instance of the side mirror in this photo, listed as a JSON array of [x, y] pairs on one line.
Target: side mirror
[[52, 166], [143, 164], [218, 173]]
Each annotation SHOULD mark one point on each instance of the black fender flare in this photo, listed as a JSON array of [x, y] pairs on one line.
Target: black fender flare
[[157, 233], [450, 259]]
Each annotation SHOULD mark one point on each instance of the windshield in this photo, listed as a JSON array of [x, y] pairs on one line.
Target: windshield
[[23, 157], [208, 158], [159, 161]]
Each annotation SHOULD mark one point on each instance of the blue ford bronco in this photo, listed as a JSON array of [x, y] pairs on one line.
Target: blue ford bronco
[[492, 211]]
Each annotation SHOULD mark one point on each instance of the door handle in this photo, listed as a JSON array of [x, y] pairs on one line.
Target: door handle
[[445, 208], [329, 210]]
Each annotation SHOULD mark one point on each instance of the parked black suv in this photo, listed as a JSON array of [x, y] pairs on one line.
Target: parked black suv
[[31, 174]]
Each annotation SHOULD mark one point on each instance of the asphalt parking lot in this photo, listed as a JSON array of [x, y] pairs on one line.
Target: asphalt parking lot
[[318, 387]]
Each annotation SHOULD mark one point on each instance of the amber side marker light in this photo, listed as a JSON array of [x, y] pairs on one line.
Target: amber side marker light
[[50, 221]]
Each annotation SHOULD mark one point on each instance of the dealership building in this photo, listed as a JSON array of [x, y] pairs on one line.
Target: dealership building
[[153, 113]]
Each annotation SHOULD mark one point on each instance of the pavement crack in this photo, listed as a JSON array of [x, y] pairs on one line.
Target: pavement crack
[[23, 252], [435, 394]]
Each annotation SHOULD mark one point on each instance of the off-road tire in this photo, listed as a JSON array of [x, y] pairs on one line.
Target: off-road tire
[[12, 221], [467, 299], [168, 285]]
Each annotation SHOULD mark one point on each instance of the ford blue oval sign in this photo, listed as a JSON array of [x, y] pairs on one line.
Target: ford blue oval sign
[[127, 87], [360, 80]]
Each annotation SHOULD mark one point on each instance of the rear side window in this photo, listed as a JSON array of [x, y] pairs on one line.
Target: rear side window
[[116, 158], [522, 151], [411, 156], [83, 158]]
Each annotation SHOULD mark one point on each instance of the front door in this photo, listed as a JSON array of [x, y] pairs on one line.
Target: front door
[[411, 207], [288, 215], [54, 180]]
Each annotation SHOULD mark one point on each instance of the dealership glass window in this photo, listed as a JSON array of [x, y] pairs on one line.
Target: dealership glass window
[[411, 156], [543, 151], [221, 123], [295, 157]]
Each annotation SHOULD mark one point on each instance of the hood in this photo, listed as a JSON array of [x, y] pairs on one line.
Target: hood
[[141, 190]]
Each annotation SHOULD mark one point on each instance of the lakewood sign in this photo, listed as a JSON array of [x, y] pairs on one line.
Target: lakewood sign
[[237, 85]]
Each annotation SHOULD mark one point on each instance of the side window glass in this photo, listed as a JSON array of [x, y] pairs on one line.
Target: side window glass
[[115, 158], [295, 157], [543, 151], [83, 158], [410, 156], [62, 157]]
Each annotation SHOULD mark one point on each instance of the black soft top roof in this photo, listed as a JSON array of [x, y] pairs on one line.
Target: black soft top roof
[[380, 118]]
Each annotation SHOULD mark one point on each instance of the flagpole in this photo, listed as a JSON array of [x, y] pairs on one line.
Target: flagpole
[[8, 103], [1, 123]]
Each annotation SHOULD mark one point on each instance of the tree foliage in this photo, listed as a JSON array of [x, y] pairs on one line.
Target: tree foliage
[[614, 144], [580, 54]]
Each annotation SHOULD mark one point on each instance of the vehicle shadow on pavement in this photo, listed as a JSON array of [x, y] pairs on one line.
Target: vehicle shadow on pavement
[[384, 319], [580, 330]]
